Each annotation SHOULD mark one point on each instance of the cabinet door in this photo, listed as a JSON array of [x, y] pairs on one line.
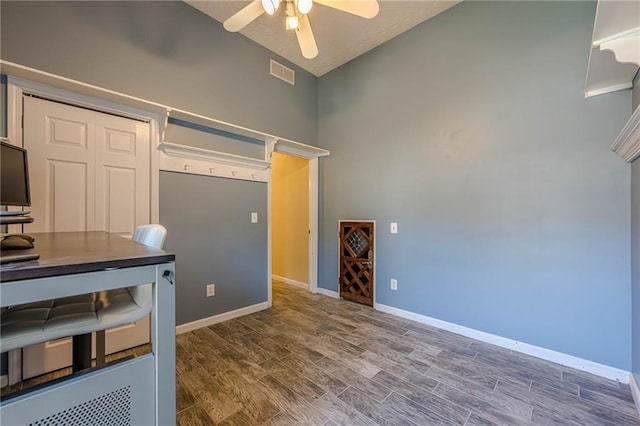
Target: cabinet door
[[60, 141]]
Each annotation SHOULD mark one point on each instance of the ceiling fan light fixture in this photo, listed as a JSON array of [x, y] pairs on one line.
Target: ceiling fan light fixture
[[292, 22], [270, 6], [304, 6]]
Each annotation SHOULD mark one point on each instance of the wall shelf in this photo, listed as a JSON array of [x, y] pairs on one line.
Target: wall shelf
[[299, 149], [615, 47], [204, 162], [184, 151], [627, 144]]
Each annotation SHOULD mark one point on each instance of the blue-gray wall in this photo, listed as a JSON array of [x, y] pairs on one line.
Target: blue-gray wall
[[472, 132], [635, 248], [164, 51], [214, 242]]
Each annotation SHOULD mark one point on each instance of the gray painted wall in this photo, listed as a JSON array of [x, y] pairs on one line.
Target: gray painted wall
[[471, 131], [208, 220], [164, 51]]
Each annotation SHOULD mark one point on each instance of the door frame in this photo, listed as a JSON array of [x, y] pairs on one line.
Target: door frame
[[375, 262], [312, 154], [16, 88]]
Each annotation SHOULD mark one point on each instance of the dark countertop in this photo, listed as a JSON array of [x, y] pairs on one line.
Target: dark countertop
[[64, 253]]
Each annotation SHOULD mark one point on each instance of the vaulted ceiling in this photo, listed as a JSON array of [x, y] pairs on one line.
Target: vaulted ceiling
[[340, 36]]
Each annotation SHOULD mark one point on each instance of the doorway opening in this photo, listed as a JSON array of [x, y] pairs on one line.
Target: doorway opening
[[290, 228]]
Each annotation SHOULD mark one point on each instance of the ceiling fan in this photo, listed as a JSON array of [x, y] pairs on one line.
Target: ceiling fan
[[296, 17]]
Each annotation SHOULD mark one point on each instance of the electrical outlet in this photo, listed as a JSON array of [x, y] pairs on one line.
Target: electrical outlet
[[254, 217], [211, 290], [394, 284], [394, 227]]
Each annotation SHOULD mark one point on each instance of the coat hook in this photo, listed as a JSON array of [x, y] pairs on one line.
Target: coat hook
[[253, 176], [211, 169], [186, 167], [234, 172]]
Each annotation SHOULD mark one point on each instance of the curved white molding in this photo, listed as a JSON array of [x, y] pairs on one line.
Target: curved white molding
[[627, 144], [625, 49]]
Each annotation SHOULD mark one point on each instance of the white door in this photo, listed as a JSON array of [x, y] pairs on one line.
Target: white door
[[88, 171], [122, 174], [60, 141]]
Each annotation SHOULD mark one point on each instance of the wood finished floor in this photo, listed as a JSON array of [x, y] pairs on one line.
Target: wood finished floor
[[315, 360]]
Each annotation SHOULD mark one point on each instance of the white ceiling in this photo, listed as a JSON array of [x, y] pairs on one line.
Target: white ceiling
[[340, 36]]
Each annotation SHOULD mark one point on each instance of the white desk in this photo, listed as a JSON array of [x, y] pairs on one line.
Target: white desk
[[137, 391]]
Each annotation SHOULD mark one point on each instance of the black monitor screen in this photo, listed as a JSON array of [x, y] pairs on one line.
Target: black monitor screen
[[14, 176]]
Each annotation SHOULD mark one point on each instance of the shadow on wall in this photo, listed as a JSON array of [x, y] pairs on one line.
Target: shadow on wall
[[160, 36]]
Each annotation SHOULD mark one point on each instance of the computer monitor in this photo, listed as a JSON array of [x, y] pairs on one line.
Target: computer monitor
[[14, 176]]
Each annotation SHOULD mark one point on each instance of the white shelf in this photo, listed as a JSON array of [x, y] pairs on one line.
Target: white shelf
[[184, 151], [299, 149], [627, 144], [615, 47]]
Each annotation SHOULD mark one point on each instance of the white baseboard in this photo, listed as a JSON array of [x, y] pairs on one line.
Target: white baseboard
[[329, 293], [525, 348], [291, 282], [635, 391], [194, 325], [4, 380]]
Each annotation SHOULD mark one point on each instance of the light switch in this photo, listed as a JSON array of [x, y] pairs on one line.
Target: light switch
[[394, 284], [394, 228], [254, 217]]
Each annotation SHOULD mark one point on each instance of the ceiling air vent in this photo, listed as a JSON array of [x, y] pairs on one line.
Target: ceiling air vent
[[283, 73]]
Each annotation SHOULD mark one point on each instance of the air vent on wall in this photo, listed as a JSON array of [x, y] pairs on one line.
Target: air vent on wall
[[283, 73]]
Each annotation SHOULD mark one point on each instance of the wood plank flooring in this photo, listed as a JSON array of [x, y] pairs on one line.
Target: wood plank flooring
[[314, 360]]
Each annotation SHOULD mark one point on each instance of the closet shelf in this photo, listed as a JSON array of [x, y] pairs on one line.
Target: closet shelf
[[184, 151]]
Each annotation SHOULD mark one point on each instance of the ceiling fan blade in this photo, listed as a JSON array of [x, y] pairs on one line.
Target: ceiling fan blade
[[245, 16], [364, 8], [306, 40]]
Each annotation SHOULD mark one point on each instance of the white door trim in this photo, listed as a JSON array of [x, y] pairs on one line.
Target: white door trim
[[312, 154], [313, 225]]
